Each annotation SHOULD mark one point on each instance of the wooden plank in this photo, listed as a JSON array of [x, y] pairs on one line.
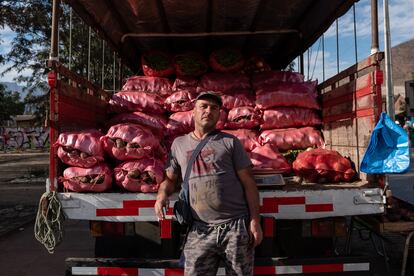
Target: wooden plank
[[397, 226], [79, 95], [348, 88], [62, 70], [340, 133], [373, 60], [76, 108], [383, 225]]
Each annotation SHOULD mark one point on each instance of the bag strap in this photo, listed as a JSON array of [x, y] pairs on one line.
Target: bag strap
[[196, 152]]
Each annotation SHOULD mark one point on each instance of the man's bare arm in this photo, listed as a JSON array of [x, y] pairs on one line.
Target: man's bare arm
[[252, 196], [167, 188]]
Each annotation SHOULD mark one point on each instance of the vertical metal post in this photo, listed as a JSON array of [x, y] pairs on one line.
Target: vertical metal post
[[355, 35], [70, 38], [302, 68], [120, 73], [89, 53], [297, 63], [53, 55], [103, 65], [388, 62], [113, 73], [374, 27], [308, 65], [337, 47], [323, 57]]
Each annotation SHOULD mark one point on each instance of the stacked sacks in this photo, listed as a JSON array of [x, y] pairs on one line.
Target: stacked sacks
[[135, 139], [243, 118], [83, 152], [289, 107], [141, 152], [181, 104], [271, 112]]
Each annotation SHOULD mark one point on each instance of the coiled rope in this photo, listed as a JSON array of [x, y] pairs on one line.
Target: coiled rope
[[48, 229]]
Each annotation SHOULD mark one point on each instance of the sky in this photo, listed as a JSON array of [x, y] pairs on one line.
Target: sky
[[401, 23], [401, 13]]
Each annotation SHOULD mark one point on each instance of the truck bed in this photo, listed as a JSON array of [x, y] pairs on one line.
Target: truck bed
[[289, 202]]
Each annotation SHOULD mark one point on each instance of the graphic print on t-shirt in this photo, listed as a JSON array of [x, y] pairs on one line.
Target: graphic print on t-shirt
[[204, 164]]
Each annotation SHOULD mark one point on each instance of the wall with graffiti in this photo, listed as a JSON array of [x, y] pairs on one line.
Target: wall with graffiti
[[19, 138]]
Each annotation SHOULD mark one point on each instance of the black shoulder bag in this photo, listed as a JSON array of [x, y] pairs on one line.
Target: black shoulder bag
[[182, 209]]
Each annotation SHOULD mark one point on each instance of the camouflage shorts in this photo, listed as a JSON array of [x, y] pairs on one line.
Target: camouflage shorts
[[207, 245]]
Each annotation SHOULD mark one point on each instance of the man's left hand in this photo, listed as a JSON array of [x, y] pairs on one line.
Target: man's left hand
[[256, 232]]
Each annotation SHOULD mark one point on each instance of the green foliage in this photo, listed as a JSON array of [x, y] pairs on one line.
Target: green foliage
[[29, 50], [9, 104]]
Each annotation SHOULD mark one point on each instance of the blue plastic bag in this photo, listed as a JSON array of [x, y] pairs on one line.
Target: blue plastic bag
[[388, 150]]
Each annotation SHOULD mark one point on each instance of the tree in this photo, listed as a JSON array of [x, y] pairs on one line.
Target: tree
[[29, 50], [9, 104]]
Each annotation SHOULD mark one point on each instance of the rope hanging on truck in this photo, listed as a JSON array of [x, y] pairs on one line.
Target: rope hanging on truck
[[48, 227]]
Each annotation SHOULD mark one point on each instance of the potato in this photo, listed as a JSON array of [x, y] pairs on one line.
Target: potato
[[85, 179], [99, 179], [148, 177], [133, 145], [134, 174], [74, 153], [84, 155], [67, 148], [120, 143]]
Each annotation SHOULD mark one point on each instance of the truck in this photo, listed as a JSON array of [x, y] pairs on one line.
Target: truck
[[302, 223]]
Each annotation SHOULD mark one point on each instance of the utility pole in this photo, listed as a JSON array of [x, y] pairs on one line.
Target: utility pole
[[374, 27], [388, 63]]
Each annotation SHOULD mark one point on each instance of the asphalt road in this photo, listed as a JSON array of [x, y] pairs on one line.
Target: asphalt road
[[21, 254]]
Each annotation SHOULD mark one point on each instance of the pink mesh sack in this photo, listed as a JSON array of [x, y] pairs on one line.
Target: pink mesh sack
[[155, 122], [182, 123], [157, 64], [243, 117], [129, 141], [292, 138], [267, 158], [161, 86], [185, 83], [131, 101], [94, 179], [180, 101], [287, 94], [265, 78], [323, 166], [285, 117], [80, 149], [238, 99], [143, 175], [248, 138], [223, 82]]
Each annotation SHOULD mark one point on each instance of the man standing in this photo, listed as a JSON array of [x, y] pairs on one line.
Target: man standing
[[223, 196]]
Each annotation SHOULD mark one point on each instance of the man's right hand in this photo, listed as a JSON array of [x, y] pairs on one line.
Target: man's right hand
[[167, 187], [161, 205]]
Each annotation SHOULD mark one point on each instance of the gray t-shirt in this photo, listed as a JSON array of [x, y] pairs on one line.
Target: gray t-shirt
[[216, 194]]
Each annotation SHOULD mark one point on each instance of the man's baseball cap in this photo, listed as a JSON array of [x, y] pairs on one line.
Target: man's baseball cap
[[210, 95]]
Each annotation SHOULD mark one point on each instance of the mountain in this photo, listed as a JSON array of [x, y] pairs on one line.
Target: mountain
[[403, 62]]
